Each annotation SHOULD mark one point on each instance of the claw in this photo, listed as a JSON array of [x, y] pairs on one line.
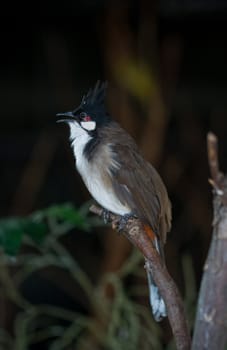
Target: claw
[[106, 216], [123, 221]]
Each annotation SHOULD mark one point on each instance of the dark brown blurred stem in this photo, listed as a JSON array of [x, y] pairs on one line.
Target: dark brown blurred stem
[[212, 150], [135, 234], [211, 319]]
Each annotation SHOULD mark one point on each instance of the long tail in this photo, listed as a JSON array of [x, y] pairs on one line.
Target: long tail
[[157, 303]]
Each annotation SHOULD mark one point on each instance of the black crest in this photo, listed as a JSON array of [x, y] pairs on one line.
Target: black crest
[[96, 96], [94, 100]]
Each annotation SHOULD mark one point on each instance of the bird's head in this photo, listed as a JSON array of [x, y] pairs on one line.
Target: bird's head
[[90, 115]]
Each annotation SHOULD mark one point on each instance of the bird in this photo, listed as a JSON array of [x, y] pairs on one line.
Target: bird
[[117, 175]]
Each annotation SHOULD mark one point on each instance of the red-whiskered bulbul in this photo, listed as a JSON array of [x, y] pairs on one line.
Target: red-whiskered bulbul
[[117, 175]]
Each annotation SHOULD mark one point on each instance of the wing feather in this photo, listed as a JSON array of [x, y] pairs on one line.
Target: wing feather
[[137, 184]]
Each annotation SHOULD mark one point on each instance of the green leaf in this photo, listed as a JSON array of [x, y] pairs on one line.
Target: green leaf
[[11, 234], [67, 212], [34, 226], [36, 230]]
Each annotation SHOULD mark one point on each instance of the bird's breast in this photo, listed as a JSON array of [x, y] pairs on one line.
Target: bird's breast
[[97, 178]]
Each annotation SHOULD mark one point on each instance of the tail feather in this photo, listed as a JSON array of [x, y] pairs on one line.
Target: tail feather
[[157, 303]]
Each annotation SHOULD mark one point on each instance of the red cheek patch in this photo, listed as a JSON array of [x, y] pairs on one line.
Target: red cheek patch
[[87, 118]]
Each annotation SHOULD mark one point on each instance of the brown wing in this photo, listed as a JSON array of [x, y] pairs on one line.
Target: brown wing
[[138, 184]]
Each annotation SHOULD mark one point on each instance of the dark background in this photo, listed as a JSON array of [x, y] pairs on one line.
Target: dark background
[[49, 59]]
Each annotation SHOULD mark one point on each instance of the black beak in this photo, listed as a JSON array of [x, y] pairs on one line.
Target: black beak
[[67, 117]]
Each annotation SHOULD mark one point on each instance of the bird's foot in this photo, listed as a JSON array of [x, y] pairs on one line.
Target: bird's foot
[[120, 224], [106, 215]]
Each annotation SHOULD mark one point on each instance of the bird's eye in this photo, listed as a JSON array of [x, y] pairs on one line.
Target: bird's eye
[[84, 117]]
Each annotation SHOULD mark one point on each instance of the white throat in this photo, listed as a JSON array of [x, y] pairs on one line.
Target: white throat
[[79, 138]]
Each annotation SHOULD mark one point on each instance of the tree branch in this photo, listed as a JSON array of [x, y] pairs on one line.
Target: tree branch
[[134, 232], [211, 319]]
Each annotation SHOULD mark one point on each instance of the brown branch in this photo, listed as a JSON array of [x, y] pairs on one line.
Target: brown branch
[[211, 319], [212, 150], [135, 234]]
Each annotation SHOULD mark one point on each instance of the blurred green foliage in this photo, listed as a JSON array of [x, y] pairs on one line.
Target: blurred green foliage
[[13, 230], [117, 323]]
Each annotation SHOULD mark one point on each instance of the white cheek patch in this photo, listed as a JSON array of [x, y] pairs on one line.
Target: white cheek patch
[[91, 125]]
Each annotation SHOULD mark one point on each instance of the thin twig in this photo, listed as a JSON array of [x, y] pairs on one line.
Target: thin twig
[[135, 234]]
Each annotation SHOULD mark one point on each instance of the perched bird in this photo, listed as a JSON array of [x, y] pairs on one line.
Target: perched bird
[[117, 176]]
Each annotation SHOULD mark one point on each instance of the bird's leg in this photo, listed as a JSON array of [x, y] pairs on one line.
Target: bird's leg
[[120, 224]]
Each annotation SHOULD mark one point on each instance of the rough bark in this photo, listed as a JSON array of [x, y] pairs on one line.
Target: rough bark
[[211, 319], [134, 232]]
